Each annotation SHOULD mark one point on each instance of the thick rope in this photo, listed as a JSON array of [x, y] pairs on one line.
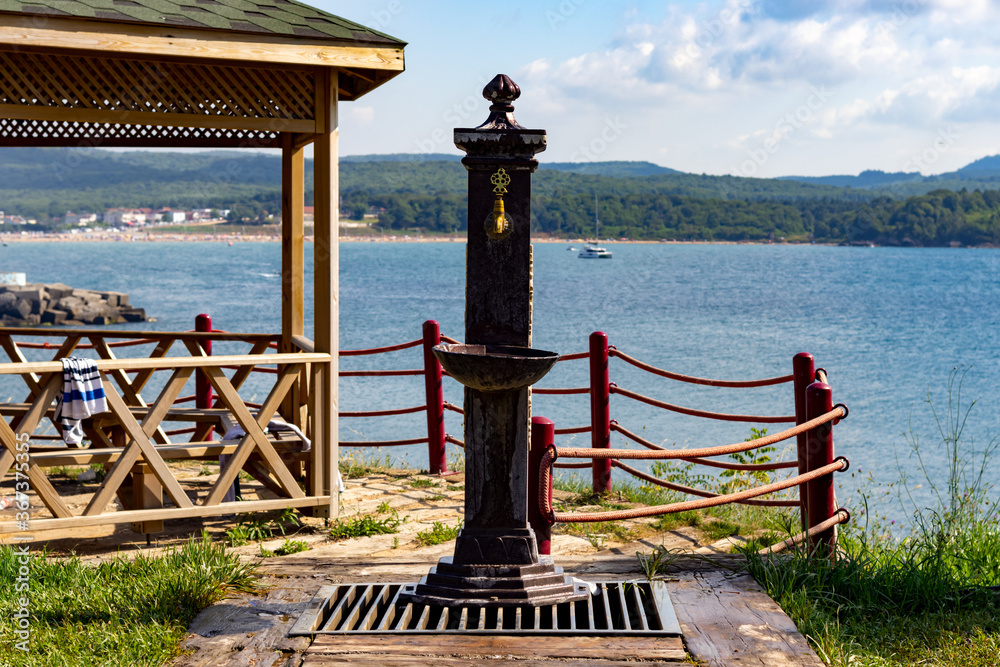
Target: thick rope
[[361, 374], [576, 390], [613, 352], [838, 412], [383, 443], [454, 441], [384, 413], [753, 419], [708, 462], [578, 355], [571, 431], [697, 492], [453, 408], [380, 350], [842, 516], [591, 517], [577, 466]]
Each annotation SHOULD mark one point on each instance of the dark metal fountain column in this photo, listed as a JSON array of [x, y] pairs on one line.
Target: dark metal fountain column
[[496, 559], [498, 311]]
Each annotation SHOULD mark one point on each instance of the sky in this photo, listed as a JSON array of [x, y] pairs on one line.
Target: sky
[[758, 88]]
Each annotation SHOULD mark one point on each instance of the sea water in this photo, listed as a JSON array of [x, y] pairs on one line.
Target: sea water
[[890, 325]]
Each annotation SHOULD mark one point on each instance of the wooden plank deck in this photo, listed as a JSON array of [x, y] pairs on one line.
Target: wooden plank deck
[[726, 618]]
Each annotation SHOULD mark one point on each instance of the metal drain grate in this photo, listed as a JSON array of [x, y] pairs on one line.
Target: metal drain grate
[[614, 607]]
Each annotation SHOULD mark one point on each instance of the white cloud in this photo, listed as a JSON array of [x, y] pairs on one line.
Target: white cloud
[[362, 115], [729, 73]]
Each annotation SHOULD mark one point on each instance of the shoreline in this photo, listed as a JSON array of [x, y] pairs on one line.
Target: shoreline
[[168, 237]]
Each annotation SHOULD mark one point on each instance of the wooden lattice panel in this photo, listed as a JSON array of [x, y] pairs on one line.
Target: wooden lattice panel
[[16, 132], [124, 85]]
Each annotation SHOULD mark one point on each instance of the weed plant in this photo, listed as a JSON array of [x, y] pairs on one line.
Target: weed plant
[[930, 595], [260, 527], [367, 525], [121, 612], [438, 533]]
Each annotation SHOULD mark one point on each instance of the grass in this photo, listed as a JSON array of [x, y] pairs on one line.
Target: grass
[[438, 533], [260, 527], [423, 483], [358, 464], [930, 595], [366, 525], [120, 612]]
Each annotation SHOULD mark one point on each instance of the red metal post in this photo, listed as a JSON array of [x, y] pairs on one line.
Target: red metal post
[[803, 372], [202, 387], [600, 409], [543, 433], [821, 499], [436, 447]]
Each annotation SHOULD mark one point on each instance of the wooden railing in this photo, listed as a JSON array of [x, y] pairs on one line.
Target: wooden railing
[[130, 440]]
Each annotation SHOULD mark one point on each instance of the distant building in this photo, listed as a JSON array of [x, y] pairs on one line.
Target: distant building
[[79, 219], [170, 216], [128, 217]]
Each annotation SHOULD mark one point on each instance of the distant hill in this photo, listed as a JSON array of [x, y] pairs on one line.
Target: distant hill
[[990, 163], [403, 157], [428, 191], [866, 179], [610, 168]]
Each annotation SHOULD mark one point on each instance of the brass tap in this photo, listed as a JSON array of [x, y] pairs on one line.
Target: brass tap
[[498, 222]]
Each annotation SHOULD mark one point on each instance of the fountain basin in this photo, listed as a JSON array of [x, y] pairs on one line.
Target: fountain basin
[[495, 368]]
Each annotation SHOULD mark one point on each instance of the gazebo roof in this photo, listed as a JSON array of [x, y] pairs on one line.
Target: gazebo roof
[[271, 17], [180, 72]]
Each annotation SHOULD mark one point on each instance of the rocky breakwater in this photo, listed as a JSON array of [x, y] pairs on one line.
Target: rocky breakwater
[[58, 304]]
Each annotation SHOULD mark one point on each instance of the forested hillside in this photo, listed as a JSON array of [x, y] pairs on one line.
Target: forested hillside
[[636, 199]]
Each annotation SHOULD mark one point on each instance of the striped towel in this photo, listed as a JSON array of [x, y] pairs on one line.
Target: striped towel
[[82, 396]]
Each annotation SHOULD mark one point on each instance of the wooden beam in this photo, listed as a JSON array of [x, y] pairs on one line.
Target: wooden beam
[[66, 114], [166, 514], [254, 438], [170, 363], [174, 41], [326, 287], [39, 482], [140, 442], [105, 141], [293, 169]]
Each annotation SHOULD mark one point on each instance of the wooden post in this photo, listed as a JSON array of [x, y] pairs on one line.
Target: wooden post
[[326, 293], [292, 258], [803, 372], [147, 494], [543, 434], [600, 409], [821, 500], [203, 388], [437, 455]]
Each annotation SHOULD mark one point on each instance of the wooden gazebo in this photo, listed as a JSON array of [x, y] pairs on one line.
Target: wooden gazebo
[[190, 73]]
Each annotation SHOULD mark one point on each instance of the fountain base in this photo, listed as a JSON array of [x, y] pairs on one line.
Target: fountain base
[[536, 584]]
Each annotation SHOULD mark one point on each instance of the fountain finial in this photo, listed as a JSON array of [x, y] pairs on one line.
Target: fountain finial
[[501, 91]]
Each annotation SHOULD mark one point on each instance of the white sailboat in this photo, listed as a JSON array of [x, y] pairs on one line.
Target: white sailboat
[[592, 250]]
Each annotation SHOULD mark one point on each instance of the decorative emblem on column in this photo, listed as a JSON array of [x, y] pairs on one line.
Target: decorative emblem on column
[[498, 223]]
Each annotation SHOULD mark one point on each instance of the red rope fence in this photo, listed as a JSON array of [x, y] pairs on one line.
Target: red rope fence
[[708, 462], [614, 352], [545, 476], [697, 492], [380, 350], [384, 413], [753, 419], [842, 516]]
